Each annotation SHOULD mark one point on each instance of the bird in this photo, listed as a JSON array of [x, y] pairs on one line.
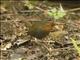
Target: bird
[[40, 29]]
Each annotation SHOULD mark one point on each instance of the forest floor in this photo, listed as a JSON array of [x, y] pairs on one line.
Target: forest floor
[[17, 16]]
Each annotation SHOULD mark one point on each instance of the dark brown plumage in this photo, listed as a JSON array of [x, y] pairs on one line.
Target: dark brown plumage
[[40, 29]]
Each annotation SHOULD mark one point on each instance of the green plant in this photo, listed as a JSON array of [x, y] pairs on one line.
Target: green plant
[[75, 45], [57, 13]]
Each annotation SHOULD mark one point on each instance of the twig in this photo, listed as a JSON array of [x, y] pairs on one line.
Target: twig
[[75, 9]]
